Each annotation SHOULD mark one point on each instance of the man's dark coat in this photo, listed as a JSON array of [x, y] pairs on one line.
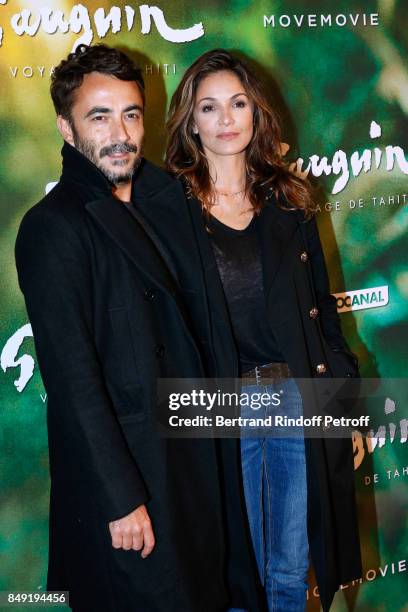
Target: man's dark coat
[[294, 283], [108, 319]]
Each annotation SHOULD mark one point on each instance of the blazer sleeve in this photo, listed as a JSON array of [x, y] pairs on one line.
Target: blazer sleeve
[[326, 303], [54, 276]]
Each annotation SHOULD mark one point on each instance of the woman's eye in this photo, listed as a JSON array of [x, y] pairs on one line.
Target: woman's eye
[[240, 103], [207, 108]]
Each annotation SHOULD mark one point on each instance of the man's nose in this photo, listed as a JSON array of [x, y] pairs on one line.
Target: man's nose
[[119, 131]]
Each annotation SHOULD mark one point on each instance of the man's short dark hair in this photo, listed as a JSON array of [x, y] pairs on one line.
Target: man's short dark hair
[[69, 74]]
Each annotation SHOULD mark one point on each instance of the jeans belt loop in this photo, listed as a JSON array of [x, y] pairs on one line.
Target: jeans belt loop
[[258, 375]]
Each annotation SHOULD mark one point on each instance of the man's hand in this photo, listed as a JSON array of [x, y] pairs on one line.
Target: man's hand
[[133, 531]]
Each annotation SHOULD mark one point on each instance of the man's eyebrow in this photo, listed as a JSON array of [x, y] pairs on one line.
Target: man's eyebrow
[[104, 110], [241, 93], [98, 109], [133, 107]]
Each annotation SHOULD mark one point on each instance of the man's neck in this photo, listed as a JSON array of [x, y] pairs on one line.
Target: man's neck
[[123, 192]]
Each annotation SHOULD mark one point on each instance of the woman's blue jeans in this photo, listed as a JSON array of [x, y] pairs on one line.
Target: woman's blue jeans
[[274, 476]]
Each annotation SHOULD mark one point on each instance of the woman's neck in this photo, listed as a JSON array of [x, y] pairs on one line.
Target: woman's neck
[[228, 172], [232, 206]]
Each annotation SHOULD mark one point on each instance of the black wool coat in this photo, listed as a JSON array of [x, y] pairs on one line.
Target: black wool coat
[[108, 319], [295, 282]]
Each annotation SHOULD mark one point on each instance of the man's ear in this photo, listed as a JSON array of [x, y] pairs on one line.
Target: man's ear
[[65, 129]]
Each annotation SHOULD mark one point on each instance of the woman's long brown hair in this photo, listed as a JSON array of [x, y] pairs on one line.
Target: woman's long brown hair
[[266, 170]]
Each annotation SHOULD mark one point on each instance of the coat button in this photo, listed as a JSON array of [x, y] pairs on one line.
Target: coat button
[[313, 312], [304, 257], [160, 351], [321, 368], [149, 294]]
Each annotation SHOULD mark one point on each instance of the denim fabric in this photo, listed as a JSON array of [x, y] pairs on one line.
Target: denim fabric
[[274, 475]]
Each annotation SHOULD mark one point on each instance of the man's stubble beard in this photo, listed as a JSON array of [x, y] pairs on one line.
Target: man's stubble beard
[[88, 149]]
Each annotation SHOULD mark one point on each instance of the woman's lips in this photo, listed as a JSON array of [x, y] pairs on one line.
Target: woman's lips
[[227, 135]]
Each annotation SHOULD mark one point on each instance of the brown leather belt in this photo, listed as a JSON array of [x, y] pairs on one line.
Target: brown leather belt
[[274, 371]]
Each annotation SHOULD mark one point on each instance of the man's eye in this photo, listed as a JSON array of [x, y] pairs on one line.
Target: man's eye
[[133, 115], [99, 118]]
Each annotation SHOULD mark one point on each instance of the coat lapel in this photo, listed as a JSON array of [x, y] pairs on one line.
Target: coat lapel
[[134, 239], [275, 227], [225, 351], [168, 216], [178, 225], [165, 217], [148, 204], [212, 279]]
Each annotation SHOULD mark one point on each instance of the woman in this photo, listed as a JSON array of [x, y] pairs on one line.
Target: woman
[[272, 318]]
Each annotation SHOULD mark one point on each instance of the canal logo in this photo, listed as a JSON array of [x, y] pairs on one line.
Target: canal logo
[[362, 298]]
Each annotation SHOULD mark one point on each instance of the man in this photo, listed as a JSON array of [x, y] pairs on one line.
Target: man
[[137, 521]]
